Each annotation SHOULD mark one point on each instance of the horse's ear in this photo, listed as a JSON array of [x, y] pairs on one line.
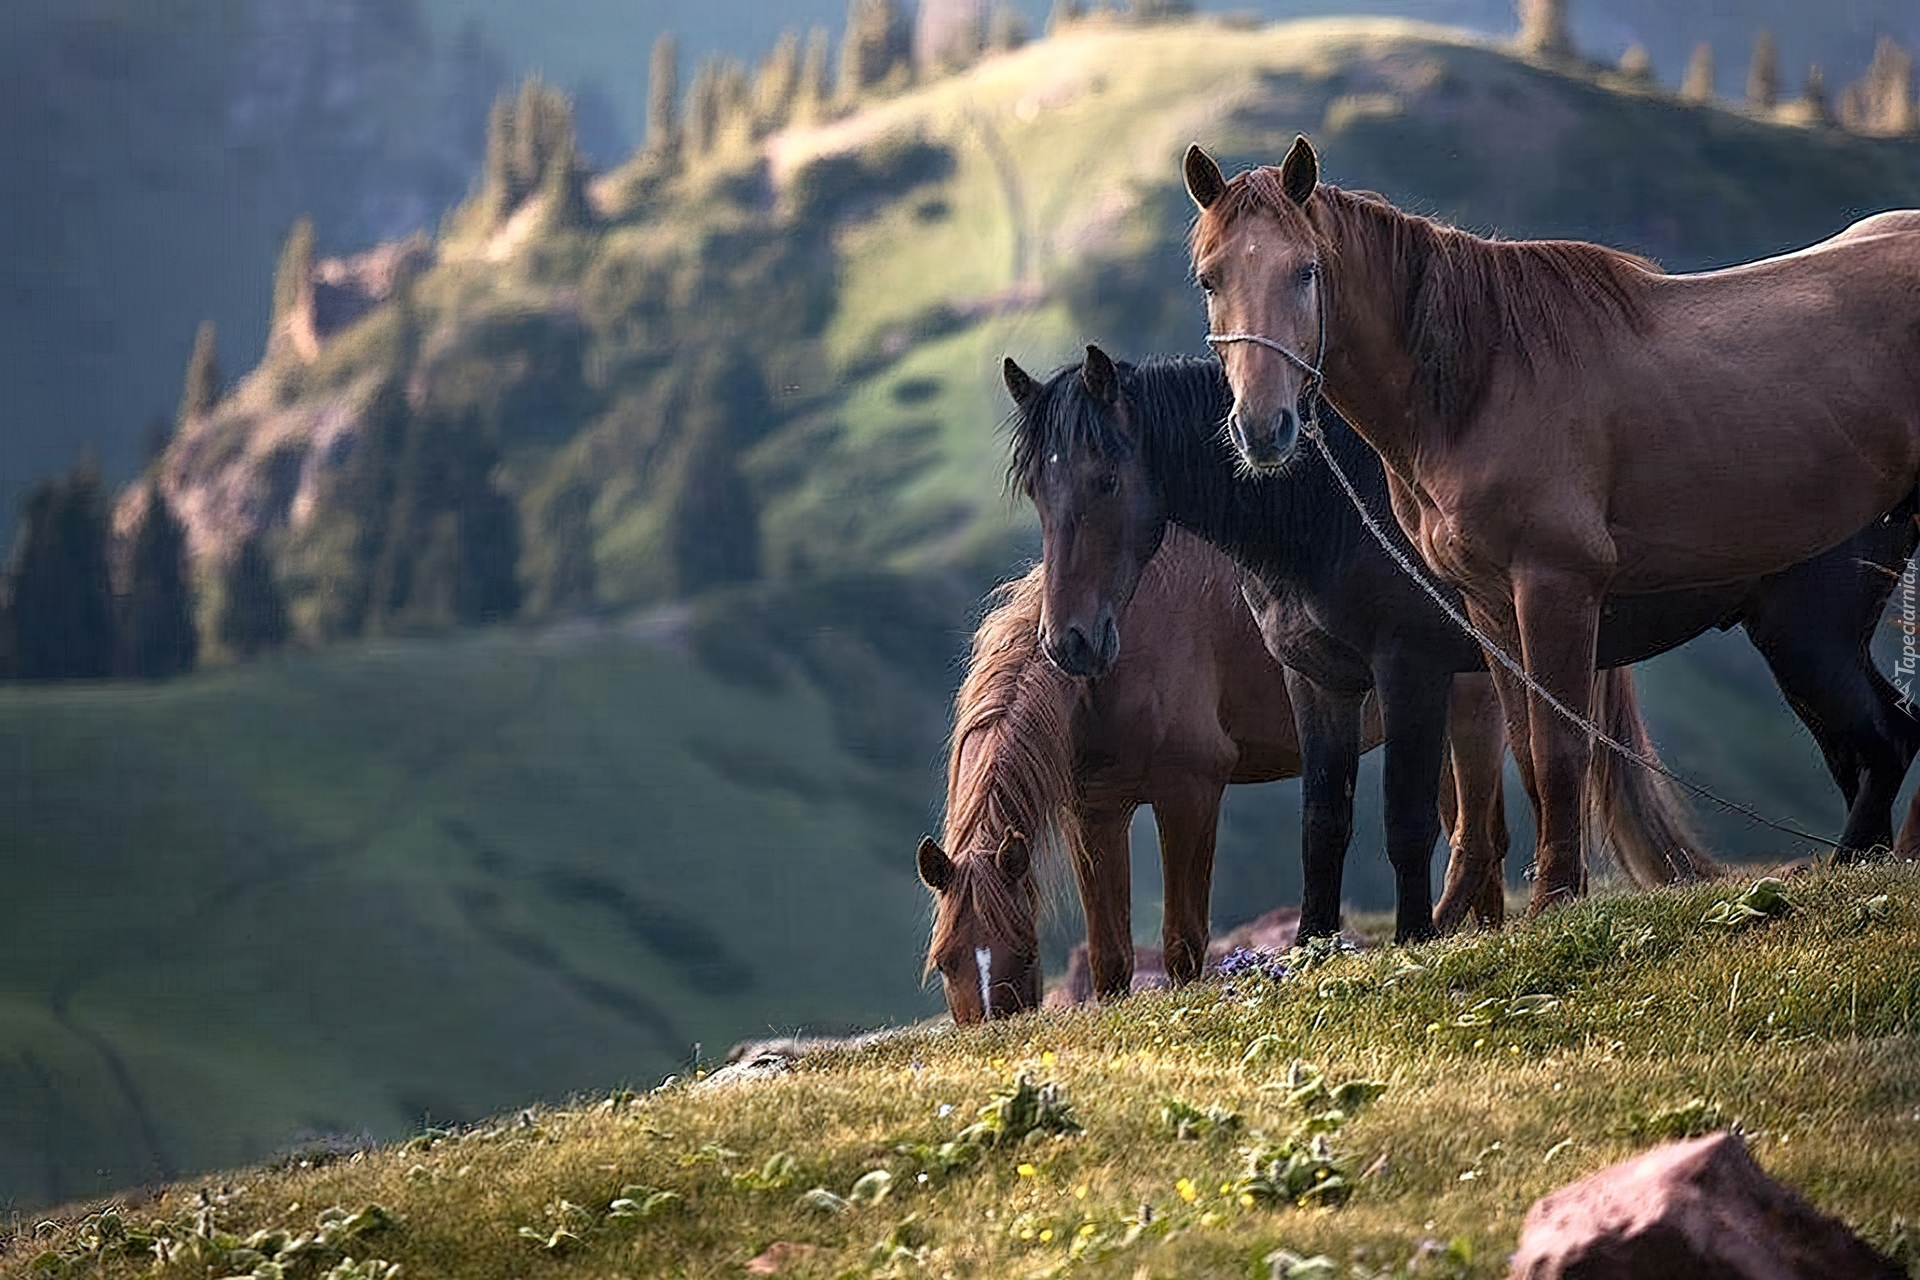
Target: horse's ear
[[1205, 182], [1019, 385], [1101, 379], [1300, 171], [936, 868], [1015, 858]]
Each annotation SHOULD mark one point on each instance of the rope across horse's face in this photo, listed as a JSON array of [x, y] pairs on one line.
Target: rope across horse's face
[[1267, 319], [1258, 262]]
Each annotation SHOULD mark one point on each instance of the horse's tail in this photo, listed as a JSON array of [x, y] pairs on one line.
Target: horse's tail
[[1641, 815]]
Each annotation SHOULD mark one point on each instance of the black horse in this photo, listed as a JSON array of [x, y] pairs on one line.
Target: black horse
[[1111, 454]]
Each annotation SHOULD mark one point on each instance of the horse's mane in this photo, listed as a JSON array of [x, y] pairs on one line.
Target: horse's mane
[[1173, 391], [1179, 406], [1465, 302], [1010, 762]]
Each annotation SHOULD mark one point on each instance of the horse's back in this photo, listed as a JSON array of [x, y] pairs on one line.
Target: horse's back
[[1892, 222]]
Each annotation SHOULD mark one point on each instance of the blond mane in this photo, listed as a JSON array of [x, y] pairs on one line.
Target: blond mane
[[1009, 765]]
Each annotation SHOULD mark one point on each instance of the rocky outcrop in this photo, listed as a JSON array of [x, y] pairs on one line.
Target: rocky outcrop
[[1701, 1209], [342, 290]]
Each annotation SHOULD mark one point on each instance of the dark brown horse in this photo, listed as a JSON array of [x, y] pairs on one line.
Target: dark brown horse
[[1562, 422], [1041, 761]]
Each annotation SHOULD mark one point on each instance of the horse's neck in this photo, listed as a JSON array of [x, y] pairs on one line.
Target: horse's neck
[[1369, 368], [1296, 529]]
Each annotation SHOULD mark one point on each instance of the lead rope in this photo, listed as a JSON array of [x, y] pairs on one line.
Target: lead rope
[[1310, 424], [1593, 731]]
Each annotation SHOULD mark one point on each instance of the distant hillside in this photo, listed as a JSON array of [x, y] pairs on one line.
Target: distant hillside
[[329, 897], [840, 293], [607, 40]]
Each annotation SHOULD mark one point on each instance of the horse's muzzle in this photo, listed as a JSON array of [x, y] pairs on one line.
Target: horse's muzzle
[[1081, 655], [1265, 445]]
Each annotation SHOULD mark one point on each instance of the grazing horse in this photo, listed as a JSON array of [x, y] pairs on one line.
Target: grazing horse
[[1114, 455], [1562, 423], [1041, 761]]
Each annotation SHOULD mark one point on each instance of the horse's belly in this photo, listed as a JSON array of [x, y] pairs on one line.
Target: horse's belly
[[1736, 512]]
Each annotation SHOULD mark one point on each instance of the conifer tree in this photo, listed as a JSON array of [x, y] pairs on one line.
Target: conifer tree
[[293, 276], [1697, 86], [1007, 31], [875, 42], [202, 390], [816, 85], [1813, 97], [1763, 75], [451, 549], [777, 85], [733, 98], [60, 610], [1543, 29], [253, 613], [947, 35], [528, 134], [1157, 10], [565, 578], [157, 635], [1636, 64], [713, 522], [703, 108], [1882, 102], [663, 97]]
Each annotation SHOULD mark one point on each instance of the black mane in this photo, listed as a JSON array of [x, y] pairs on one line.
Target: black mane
[[1179, 407]]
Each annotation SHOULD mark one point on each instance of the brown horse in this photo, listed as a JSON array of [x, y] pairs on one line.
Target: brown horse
[[1561, 421], [1041, 761]]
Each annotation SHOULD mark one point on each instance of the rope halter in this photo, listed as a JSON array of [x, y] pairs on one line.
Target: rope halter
[[1315, 370]]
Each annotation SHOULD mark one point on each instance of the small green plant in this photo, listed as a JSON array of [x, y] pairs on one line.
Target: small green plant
[[1766, 900], [1871, 911], [774, 1175], [1026, 1108], [1187, 1122], [637, 1202], [1303, 1168], [1687, 1119]]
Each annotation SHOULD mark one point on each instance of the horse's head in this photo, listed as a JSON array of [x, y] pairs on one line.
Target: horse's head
[[1076, 454], [986, 943], [1259, 261]]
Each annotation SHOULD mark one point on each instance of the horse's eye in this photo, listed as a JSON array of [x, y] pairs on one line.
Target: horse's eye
[[1206, 284], [1304, 276], [1107, 485]]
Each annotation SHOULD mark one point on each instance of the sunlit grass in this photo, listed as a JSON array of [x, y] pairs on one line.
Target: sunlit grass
[[1511, 1063]]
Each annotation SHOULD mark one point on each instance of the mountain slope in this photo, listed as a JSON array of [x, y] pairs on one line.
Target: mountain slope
[[349, 893]]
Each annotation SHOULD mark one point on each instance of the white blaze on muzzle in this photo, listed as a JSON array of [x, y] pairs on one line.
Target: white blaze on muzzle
[[983, 961]]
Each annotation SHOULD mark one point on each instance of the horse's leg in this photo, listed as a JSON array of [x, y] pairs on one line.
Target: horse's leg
[[1104, 871], [1558, 612], [1328, 726], [1413, 712], [1865, 735], [1188, 816], [1906, 845], [1477, 732]]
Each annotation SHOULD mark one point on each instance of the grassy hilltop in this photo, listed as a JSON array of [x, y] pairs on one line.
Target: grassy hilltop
[[1390, 1114], [421, 877]]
